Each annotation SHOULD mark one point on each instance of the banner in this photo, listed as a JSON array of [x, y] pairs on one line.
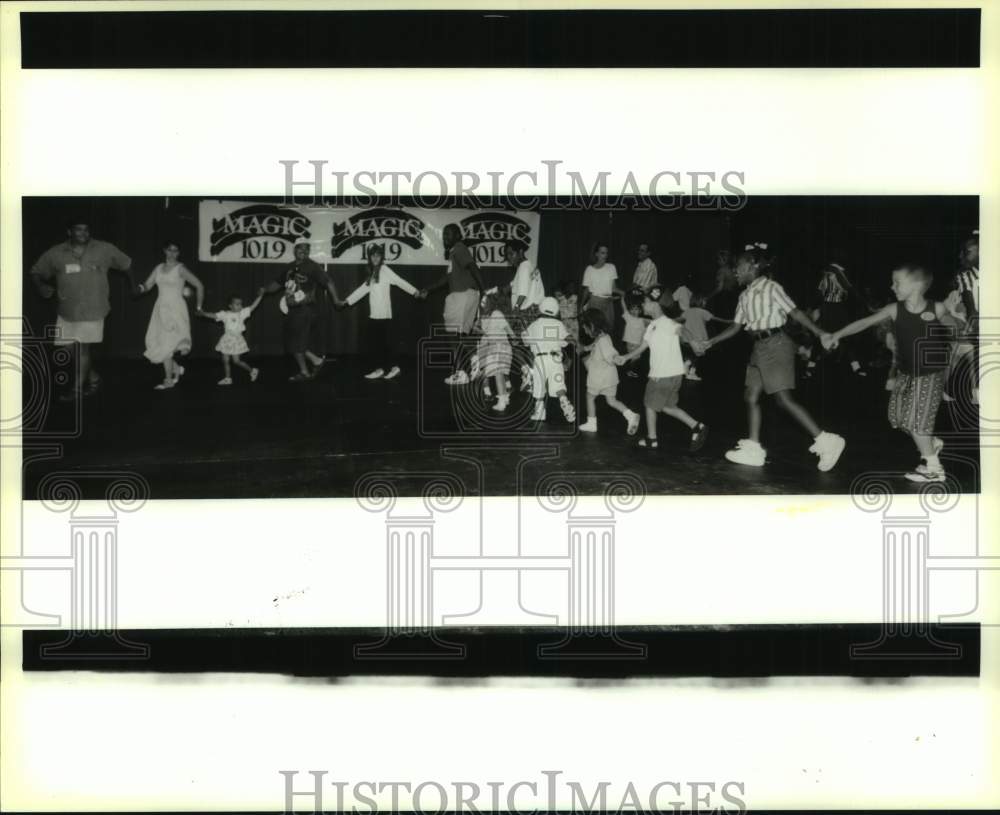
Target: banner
[[246, 232]]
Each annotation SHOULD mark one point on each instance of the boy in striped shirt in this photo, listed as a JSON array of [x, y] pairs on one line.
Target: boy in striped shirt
[[763, 309]]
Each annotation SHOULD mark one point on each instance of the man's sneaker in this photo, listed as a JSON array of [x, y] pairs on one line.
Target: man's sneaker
[[457, 378], [393, 372], [567, 408], [589, 426], [698, 436], [747, 452], [633, 422], [828, 446], [378, 373], [254, 373], [539, 413], [501, 403], [923, 474]]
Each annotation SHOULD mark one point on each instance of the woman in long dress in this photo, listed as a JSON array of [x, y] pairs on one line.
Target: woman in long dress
[[169, 329]]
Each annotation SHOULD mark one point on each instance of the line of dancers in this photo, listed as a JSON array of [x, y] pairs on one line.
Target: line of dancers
[[517, 327]]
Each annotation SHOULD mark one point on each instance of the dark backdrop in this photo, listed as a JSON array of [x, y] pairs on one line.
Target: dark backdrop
[[872, 232]]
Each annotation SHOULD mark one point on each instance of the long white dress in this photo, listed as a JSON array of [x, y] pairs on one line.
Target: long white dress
[[169, 329]]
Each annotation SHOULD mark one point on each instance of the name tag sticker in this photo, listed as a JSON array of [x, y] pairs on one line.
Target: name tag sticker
[[72, 268]]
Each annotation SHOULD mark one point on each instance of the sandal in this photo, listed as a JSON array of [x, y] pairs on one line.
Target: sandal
[[652, 444]]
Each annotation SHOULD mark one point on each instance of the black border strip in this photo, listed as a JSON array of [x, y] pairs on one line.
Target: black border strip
[[704, 38], [853, 650]]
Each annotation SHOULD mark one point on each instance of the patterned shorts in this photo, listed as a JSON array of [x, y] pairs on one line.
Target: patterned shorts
[[915, 400]]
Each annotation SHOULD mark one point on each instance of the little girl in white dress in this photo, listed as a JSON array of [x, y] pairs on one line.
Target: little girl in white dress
[[169, 330], [232, 343]]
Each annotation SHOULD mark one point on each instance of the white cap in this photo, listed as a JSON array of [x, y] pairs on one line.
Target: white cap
[[550, 306]]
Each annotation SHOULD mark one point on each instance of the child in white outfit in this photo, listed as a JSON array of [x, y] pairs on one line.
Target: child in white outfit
[[546, 337], [232, 344]]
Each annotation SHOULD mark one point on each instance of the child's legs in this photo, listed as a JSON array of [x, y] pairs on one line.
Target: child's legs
[[681, 415], [240, 363], [591, 405], [924, 442], [613, 402], [225, 365], [650, 423], [377, 343], [786, 401], [752, 390], [501, 383]]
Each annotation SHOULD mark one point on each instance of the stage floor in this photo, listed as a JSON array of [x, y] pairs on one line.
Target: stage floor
[[274, 438]]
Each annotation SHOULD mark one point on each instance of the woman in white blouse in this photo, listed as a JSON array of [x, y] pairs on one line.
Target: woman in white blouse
[[600, 280], [378, 286]]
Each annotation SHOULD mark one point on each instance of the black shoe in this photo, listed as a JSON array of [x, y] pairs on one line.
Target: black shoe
[[698, 438]]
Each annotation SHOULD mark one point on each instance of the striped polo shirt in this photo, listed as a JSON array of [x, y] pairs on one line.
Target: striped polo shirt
[[968, 286], [831, 289], [763, 305]]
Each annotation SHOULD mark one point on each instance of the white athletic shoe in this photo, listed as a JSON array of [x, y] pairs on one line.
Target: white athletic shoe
[[501, 404], [589, 426], [457, 378], [828, 446], [393, 372], [254, 373], [633, 422], [378, 373], [166, 384], [747, 452], [923, 474], [539, 413], [226, 380]]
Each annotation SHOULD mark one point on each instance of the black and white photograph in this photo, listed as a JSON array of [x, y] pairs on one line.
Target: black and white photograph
[[721, 346], [499, 406]]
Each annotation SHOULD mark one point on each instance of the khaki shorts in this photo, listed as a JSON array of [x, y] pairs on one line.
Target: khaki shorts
[[663, 392], [460, 310], [85, 332], [772, 364]]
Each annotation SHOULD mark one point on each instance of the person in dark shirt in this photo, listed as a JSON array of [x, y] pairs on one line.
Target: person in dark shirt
[[302, 283], [464, 286]]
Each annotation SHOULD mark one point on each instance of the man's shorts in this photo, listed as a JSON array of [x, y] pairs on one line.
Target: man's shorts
[[772, 364], [460, 310], [663, 392], [85, 332], [298, 329]]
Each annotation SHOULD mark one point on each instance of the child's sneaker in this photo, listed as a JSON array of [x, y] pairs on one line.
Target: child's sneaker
[[226, 380], [166, 384], [698, 436], [393, 372], [633, 422], [501, 403], [747, 452], [923, 474], [567, 408], [828, 446], [457, 378], [589, 426], [254, 373], [378, 373], [539, 413]]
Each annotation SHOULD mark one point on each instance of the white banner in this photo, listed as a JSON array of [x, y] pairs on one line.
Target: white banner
[[247, 232]]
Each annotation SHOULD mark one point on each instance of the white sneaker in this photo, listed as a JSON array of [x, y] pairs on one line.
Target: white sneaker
[[501, 404], [589, 426], [923, 474], [457, 378], [539, 414], [166, 384], [828, 446], [747, 452], [378, 373], [254, 373], [938, 445], [226, 380], [633, 422], [393, 372]]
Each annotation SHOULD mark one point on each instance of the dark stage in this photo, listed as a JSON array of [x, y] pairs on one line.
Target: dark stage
[[274, 438]]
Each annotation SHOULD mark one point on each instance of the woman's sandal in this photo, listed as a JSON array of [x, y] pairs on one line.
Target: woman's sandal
[[652, 444]]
